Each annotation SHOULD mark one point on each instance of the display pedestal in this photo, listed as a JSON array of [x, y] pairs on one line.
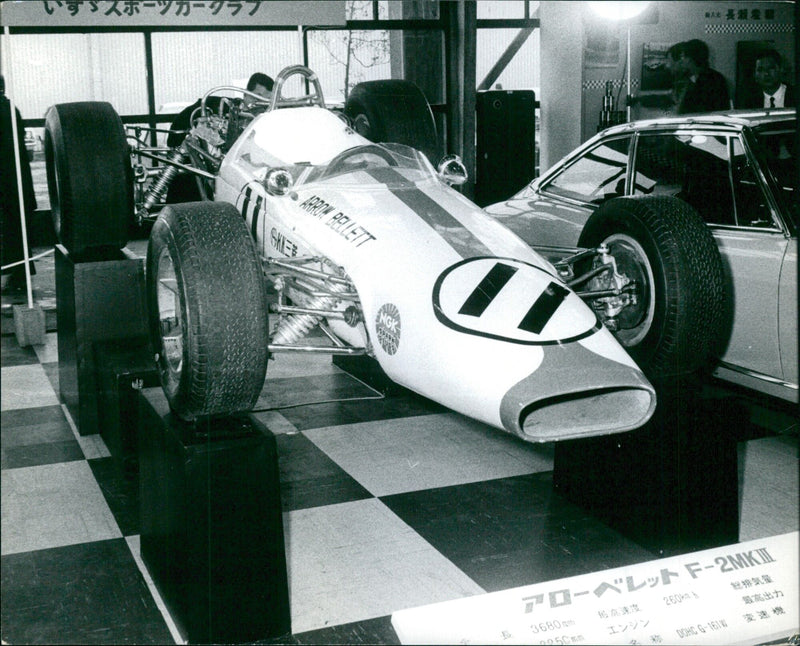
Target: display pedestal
[[211, 523], [100, 298], [123, 368], [369, 371], [671, 486]]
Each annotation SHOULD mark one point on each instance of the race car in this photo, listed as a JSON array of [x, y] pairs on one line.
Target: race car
[[737, 173], [355, 247]]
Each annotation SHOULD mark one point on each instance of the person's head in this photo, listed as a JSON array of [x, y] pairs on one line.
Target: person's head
[[694, 55], [674, 54], [260, 84], [767, 73]]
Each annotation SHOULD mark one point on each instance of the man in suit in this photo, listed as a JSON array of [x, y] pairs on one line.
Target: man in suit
[[771, 93], [707, 90]]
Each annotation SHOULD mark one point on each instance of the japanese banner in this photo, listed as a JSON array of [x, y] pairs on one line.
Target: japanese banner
[[745, 593], [169, 13]]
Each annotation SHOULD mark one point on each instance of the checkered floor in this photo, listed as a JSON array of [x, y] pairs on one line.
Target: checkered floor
[[389, 502]]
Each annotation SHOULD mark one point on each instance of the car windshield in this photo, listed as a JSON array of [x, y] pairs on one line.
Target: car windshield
[[777, 143], [390, 163]]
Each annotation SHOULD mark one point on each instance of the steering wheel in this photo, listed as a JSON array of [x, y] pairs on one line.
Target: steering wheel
[[338, 163], [280, 101]]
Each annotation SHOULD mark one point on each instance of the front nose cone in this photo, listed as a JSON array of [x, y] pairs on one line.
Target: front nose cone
[[577, 393]]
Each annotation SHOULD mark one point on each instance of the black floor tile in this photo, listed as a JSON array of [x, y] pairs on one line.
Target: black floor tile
[[91, 593], [369, 631], [513, 531], [309, 478], [121, 494], [314, 389], [353, 412], [11, 354], [36, 436]]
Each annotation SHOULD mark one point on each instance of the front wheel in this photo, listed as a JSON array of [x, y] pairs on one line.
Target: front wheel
[[207, 310], [673, 320]]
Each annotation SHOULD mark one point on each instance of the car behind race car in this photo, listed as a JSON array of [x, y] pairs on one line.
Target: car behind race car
[[364, 242], [738, 172]]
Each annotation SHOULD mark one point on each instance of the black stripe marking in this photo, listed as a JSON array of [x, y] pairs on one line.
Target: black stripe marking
[[248, 192], [544, 308], [256, 212], [438, 218], [487, 289]]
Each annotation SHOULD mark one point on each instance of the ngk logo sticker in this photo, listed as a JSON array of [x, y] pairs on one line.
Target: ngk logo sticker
[[387, 325], [510, 300]]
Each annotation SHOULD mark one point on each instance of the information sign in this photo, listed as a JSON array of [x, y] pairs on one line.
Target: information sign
[[746, 593]]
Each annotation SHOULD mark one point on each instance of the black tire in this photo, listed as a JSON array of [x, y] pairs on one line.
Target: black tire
[[89, 176], [209, 327], [678, 323], [393, 111]]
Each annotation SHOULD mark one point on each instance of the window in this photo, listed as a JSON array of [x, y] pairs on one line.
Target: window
[[752, 208], [694, 167], [597, 176]]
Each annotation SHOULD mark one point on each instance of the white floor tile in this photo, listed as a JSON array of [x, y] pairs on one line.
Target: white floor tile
[[26, 386], [414, 453], [357, 561], [47, 352], [52, 506]]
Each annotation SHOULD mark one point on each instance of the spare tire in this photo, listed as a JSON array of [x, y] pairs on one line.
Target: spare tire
[[393, 111], [89, 176], [207, 310], [678, 320]]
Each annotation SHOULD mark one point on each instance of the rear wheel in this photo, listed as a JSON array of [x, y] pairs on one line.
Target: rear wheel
[[89, 176], [393, 111], [207, 309], [676, 320]]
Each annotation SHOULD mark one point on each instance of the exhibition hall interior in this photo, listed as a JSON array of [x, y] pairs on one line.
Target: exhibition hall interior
[[398, 322]]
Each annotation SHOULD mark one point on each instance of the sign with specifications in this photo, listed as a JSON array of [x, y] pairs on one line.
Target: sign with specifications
[[745, 593]]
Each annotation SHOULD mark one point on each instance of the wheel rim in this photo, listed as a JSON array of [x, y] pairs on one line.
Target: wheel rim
[[635, 321], [169, 318]]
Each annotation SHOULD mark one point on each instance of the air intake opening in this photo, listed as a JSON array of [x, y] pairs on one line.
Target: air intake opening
[[587, 413]]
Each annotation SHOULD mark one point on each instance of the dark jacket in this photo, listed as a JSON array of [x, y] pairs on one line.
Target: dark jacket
[[754, 98], [10, 224], [707, 94]]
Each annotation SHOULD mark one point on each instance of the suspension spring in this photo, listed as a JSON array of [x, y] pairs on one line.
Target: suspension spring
[[160, 185], [294, 327]]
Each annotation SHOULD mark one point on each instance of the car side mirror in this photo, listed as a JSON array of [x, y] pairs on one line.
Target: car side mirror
[[452, 171]]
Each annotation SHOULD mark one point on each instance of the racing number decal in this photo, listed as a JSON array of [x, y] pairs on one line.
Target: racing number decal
[[537, 316], [543, 308], [499, 305]]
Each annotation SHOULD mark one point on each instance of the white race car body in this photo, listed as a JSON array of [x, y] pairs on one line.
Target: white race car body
[[453, 305]]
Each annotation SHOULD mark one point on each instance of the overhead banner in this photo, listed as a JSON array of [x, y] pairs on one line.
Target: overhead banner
[[169, 13]]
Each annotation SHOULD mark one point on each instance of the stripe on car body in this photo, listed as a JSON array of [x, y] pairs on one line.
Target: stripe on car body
[[435, 215]]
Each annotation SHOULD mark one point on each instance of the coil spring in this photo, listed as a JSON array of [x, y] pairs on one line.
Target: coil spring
[[294, 327], [159, 187]]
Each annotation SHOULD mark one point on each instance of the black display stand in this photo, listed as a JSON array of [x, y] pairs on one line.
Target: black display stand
[[370, 372], [123, 368], [505, 143], [211, 524], [672, 485], [100, 297]]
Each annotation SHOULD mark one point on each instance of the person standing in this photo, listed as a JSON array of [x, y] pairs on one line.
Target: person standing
[[11, 246], [707, 90], [770, 91]]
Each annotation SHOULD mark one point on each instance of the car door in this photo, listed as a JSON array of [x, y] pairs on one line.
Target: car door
[[699, 167]]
